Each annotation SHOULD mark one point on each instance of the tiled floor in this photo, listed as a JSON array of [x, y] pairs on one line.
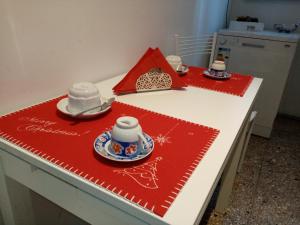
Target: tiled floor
[[267, 190]]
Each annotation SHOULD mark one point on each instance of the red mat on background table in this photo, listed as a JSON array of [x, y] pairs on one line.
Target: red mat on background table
[[153, 183], [236, 85], [152, 72]]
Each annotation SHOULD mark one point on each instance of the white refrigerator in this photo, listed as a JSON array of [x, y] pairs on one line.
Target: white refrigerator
[[266, 55]]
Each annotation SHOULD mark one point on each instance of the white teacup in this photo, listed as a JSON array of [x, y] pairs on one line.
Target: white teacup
[[175, 61], [218, 65], [83, 96], [127, 138], [218, 68]]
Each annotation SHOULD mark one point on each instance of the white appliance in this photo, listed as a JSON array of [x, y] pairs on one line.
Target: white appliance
[[266, 55], [246, 26]]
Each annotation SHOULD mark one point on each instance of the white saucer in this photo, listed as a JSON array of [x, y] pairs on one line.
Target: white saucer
[[184, 71], [63, 103], [102, 143], [225, 76]]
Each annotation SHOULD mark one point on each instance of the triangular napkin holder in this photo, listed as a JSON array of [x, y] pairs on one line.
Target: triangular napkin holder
[[151, 73]]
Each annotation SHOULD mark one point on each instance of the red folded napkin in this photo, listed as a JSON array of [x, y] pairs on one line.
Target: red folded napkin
[[152, 72]]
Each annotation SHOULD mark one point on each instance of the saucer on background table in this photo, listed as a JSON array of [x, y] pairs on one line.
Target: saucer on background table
[[102, 144], [184, 70], [62, 106], [211, 74]]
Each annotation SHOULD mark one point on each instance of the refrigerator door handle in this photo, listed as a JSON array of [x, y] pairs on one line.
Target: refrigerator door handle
[[252, 45]]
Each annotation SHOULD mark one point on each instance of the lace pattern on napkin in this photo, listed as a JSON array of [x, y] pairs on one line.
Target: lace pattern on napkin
[[155, 79]]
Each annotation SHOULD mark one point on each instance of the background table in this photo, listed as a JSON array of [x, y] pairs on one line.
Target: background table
[[228, 113]]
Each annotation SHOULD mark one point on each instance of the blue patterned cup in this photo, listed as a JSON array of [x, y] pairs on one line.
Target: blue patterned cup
[[127, 138], [218, 68], [217, 73]]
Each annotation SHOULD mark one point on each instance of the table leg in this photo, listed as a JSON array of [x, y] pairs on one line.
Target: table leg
[[228, 177], [247, 138], [6, 206]]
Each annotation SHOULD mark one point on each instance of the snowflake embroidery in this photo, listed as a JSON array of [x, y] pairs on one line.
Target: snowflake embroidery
[[161, 140], [131, 149]]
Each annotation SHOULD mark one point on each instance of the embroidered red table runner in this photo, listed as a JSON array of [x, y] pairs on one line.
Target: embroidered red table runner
[[236, 85], [153, 183]]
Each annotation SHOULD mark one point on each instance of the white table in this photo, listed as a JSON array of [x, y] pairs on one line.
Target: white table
[[225, 112]]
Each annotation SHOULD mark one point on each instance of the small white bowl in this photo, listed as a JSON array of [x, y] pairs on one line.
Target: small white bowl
[[218, 65], [82, 96], [175, 61]]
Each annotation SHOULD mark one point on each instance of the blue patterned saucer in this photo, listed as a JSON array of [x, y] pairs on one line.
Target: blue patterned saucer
[[212, 74], [184, 70], [102, 145]]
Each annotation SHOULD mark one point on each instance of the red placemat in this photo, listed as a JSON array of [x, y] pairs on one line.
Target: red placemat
[[153, 183], [236, 85]]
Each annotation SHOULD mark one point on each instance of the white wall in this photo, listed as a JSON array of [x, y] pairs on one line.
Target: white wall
[[48, 45], [45, 46]]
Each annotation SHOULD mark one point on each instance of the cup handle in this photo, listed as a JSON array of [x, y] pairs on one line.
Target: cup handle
[[142, 137]]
